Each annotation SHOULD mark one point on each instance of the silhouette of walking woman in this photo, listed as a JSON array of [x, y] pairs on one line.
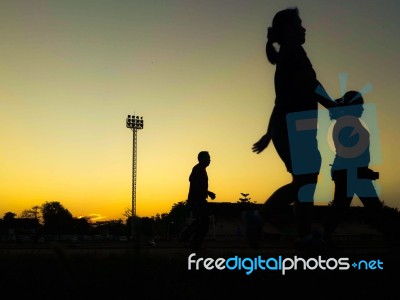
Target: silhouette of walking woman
[[295, 85]]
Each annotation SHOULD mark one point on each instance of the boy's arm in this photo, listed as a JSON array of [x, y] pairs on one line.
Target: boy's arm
[[211, 195]]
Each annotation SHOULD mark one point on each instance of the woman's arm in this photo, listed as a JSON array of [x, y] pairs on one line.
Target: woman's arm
[[263, 143], [323, 97]]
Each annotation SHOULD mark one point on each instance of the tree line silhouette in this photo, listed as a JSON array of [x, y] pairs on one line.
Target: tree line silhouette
[[53, 219]]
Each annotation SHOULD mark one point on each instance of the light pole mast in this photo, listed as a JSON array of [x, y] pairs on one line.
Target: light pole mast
[[134, 123]]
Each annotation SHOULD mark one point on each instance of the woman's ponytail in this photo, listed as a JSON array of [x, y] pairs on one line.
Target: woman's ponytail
[[270, 50]]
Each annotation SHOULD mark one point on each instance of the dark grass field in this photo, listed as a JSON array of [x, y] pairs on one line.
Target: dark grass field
[[161, 272]]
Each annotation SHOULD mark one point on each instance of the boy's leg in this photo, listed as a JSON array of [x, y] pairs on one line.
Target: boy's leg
[[341, 202], [201, 229]]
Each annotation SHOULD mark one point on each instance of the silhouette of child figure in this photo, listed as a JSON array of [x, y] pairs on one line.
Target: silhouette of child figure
[[295, 88], [350, 170]]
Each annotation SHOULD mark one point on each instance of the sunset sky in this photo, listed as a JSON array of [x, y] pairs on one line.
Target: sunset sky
[[72, 70]]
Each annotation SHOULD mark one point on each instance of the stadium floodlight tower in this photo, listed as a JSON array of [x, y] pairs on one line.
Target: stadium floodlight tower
[[134, 123]]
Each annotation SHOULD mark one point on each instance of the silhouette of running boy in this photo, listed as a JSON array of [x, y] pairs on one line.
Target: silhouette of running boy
[[197, 203]]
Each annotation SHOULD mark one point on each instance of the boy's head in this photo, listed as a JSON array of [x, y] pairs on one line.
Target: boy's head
[[351, 98], [204, 158], [351, 104]]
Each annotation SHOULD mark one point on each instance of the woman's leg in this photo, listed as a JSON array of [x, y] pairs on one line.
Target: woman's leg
[[304, 186], [300, 192]]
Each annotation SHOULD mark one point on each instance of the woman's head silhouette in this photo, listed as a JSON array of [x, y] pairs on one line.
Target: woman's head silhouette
[[287, 30]]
